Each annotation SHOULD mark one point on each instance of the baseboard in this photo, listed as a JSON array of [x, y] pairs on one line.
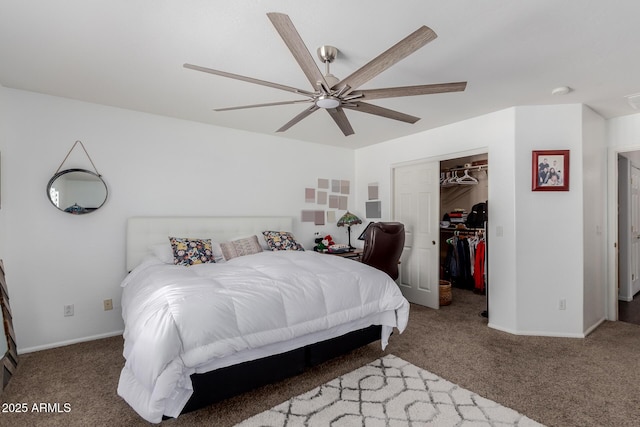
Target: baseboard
[[537, 333], [70, 342], [595, 326]]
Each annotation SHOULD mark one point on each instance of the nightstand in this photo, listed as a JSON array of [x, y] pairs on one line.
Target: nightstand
[[354, 254]]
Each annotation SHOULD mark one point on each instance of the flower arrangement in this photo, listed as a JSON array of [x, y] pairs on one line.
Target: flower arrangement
[[324, 243]]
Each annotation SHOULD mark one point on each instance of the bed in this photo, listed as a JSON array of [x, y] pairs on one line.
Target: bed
[[246, 316]]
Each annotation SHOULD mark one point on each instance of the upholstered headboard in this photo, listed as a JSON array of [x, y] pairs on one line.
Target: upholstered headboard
[[143, 232]]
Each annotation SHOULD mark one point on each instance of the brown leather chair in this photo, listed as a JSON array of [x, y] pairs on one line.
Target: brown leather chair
[[383, 244]]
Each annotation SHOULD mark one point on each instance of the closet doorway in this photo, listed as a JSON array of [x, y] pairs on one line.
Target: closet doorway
[[464, 194], [629, 237]]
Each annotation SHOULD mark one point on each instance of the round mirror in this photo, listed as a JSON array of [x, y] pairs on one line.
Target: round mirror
[[77, 191]]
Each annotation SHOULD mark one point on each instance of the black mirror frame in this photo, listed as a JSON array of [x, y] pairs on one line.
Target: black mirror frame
[[66, 171]]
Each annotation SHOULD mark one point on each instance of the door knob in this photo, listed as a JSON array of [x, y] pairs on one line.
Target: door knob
[[434, 242]]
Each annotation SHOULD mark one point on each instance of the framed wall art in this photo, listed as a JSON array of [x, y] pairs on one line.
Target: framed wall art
[[550, 170]]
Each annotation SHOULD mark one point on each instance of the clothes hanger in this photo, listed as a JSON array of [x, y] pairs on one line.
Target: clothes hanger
[[446, 181], [454, 178], [467, 179]]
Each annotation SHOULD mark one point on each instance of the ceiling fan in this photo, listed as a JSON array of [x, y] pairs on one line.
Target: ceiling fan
[[335, 95]]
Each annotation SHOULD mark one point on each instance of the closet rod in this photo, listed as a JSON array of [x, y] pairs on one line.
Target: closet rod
[[464, 230], [471, 168]]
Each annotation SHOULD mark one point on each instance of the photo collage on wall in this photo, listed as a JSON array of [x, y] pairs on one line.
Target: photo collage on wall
[[373, 205], [330, 195]]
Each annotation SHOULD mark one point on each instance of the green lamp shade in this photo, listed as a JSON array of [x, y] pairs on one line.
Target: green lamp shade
[[348, 219]]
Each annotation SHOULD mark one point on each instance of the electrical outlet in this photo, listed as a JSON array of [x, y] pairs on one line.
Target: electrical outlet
[[562, 304], [108, 304], [68, 310]]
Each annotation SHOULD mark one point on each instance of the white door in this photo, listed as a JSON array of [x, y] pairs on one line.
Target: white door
[[416, 205], [635, 230]]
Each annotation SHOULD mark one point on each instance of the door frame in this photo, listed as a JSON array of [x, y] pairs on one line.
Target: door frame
[[438, 158], [613, 244], [627, 217]]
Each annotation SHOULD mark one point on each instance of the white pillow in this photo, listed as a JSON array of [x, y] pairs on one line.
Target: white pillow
[[163, 252]]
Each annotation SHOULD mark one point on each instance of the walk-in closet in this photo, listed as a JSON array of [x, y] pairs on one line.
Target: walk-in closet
[[463, 212]]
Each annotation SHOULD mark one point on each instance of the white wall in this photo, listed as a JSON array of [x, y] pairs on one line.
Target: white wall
[[536, 239], [624, 132], [152, 166], [160, 166], [557, 244], [493, 134], [549, 225]]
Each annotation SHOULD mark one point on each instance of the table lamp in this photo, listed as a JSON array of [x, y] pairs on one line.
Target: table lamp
[[349, 219]]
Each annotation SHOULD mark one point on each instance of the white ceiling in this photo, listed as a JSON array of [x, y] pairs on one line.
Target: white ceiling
[[129, 54]]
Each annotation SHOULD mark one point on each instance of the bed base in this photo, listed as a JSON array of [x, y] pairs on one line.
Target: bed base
[[220, 384]]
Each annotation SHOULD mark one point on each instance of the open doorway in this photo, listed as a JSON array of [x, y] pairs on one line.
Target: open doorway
[[628, 188], [464, 194]]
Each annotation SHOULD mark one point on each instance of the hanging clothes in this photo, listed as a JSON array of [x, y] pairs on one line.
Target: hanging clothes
[[450, 267], [465, 280], [479, 267], [458, 265]]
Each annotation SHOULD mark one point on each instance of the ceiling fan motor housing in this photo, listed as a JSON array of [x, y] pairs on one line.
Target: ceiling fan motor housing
[[327, 53]]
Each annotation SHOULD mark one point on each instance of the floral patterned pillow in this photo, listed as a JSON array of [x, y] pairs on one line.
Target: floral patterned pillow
[[282, 241], [191, 251]]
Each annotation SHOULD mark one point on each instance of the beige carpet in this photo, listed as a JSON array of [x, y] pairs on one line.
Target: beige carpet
[[556, 381], [389, 392]]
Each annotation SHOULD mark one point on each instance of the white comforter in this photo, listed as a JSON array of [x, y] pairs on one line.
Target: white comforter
[[179, 319]]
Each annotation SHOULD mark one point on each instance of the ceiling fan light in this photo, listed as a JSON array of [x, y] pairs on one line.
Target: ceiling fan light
[[327, 102]]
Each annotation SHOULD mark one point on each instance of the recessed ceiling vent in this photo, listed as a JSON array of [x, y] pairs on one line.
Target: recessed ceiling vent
[[634, 101]]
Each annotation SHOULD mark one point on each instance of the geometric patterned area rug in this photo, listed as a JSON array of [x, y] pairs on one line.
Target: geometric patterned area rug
[[389, 392]]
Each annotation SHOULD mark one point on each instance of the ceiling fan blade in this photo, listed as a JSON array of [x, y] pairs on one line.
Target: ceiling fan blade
[[382, 112], [248, 79], [298, 118], [394, 92], [341, 120], [294, 42], [268, 104], [395, 53]]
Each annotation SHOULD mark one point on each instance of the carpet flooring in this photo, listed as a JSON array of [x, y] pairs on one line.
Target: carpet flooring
[[389, 392], [565, 382]]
